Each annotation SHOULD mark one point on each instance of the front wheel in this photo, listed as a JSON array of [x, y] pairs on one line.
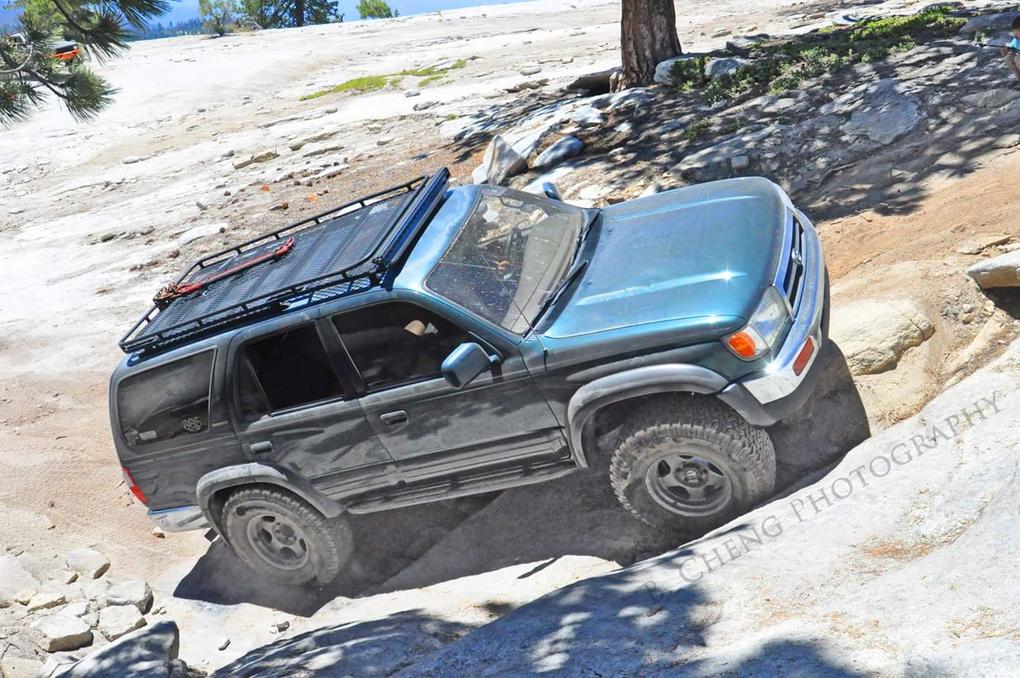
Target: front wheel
[[283, 538], [692, 464]]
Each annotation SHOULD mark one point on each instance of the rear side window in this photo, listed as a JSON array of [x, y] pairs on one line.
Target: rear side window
[[166, 402], [284, 371]]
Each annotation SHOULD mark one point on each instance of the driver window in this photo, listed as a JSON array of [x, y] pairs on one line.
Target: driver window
[[396, 344]]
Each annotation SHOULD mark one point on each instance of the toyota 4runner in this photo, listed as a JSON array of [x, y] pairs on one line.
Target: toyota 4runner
[[429, 342]]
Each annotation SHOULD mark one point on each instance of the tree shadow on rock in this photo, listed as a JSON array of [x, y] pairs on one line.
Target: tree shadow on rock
[[372, 648]]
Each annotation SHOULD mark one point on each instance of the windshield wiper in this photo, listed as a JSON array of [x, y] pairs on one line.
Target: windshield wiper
[[586, 229], [552, 296]]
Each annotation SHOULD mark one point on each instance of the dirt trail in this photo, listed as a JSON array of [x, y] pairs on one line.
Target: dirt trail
[[93, 217]]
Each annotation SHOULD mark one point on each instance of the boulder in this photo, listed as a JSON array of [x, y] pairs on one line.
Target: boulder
[[874, 335], [1000, 271], [14, 579], [149, 652], [60, 632], [664, 74], [885, 113], [989, 22], [717, 68], [593, 83], [118, 620], [500, 163], [560, 150], [135, 592]]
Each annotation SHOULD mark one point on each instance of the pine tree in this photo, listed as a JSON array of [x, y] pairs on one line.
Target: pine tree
[[29, 71], [648, 37]]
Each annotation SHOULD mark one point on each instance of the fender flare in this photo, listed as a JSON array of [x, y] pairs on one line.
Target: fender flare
[[257, 473], [634, 383]]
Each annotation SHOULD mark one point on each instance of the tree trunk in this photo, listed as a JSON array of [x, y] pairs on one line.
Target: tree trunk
[[648, 38], [299, 12]]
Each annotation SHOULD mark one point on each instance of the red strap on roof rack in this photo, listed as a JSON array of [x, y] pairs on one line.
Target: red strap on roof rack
[[172, 291]]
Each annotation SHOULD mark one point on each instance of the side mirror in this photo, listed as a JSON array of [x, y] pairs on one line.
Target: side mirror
[[466, 362], [551, 192]]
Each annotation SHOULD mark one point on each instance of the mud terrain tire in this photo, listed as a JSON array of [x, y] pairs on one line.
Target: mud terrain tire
[[283, 538], [691, 464]]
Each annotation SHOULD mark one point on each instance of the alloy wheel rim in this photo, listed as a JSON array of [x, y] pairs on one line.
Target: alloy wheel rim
[[687, 484]]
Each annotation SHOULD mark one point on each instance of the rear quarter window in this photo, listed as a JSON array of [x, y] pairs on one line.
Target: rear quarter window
[[166, 402]]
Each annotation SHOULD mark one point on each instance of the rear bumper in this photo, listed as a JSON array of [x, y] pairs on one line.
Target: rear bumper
[[780, 390], [179, 519]]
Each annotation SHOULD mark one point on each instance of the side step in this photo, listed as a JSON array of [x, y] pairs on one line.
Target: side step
[[486, 480]]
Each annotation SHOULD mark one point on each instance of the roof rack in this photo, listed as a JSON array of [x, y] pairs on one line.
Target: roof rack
[[341, 251]]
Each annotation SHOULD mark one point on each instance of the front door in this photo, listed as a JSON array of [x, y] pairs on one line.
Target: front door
[[426, 424], [295, 411]]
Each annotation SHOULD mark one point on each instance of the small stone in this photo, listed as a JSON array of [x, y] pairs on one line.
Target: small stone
[[89, 563], [95, 590], [59, 633], [118, 620], [383, 141], [412, 93], [740, 163], [132, 159], [134, 592], [223, 644], [531, 70], [158, 533], [201, 205], [280, 206], [24, 596], [424, 105], [66, 576], [280, 626]]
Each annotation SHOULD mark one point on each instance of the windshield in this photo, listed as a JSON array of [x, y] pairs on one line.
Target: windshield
[[510, 254]]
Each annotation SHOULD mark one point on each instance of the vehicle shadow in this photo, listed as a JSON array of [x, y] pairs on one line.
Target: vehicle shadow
[[577, 515]]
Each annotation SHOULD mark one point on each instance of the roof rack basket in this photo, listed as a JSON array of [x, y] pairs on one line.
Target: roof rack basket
[[332, 254]]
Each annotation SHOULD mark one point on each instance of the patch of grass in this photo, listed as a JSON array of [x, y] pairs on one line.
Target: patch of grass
[[698, 130], [778, 67], [425, 82], [371, 83], [367, 83]]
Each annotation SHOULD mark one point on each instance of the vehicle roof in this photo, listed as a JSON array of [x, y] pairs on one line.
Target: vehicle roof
[[346, 250]]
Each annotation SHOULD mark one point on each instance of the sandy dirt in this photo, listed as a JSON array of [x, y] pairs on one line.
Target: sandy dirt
[[92, 216]]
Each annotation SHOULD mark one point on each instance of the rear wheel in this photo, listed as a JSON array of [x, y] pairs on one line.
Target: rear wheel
[[283, 538], [691, 464]]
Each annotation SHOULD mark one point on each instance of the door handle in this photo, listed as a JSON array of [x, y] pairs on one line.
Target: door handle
[[394, 418], [264, 447]]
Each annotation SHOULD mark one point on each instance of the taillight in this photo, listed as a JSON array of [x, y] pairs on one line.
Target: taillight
[[133, 486]]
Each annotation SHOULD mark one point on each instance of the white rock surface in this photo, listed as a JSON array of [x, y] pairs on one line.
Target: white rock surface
[[14, 579], [118, 620], [895, 563], [1000, 271], [134, 592], [198, 232], [885, 113], [59, 632], [88, 563], [874, 335], [46, 599]]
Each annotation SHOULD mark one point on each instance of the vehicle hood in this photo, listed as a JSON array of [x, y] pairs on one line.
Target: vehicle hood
[[698, 257]]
